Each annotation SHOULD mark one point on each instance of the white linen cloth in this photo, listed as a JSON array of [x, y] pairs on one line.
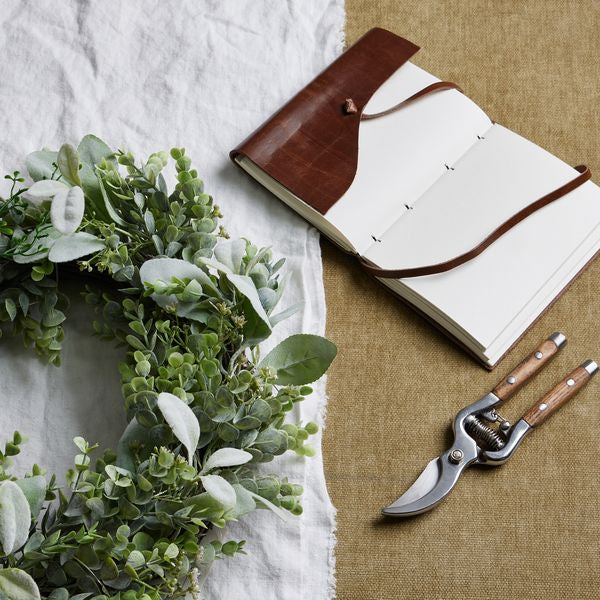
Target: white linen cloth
[[149, 75]]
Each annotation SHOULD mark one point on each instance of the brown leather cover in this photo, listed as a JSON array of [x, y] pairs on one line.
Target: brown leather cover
[[310, 145]]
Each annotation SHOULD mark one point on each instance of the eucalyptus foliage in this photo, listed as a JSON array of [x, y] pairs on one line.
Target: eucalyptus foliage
[[191, 306]]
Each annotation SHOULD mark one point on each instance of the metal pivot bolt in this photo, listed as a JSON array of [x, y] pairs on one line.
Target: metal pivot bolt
[[456, 456], [511, 379]]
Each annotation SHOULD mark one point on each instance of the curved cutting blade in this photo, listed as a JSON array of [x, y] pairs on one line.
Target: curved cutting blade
[[432, 486]]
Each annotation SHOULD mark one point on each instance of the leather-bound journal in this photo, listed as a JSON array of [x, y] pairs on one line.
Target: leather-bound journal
[[477, 228]]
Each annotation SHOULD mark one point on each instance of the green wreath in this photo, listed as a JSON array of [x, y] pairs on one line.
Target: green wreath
[[192, 307]]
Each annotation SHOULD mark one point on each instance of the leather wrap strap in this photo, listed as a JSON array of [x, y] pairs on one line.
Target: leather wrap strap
[[434, 87], [584, 175]]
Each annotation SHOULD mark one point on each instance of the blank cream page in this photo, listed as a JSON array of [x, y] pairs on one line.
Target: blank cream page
[[402, 154], [495, 179]]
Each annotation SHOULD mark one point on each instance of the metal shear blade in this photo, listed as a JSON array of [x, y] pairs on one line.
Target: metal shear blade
[[435, 482]]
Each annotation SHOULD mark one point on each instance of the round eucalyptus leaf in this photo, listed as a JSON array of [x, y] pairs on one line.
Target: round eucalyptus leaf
[[136, 559], [134, 435], [248, 422], [227, 432], [247, 439], [260, 409], [206, 423], [269, 487], [206, 437], [271, 441], [220, 411]]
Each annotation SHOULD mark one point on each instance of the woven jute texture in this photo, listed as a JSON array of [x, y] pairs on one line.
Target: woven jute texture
[[529, 529]]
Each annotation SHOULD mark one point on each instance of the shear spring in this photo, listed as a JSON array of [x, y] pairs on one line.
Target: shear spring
[[483, 433]]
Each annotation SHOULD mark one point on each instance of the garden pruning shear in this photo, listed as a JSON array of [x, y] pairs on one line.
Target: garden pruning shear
[[477, 442]]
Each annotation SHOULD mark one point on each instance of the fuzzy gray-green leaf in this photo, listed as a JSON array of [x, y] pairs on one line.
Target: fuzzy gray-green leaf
[[34, 489], [16, 584], [300, 359], [68, 163], [15, 517], [257, 326], [40, 164], [91, 151]]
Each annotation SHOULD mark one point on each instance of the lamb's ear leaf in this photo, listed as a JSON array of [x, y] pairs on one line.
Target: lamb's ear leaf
[[300, 359], [74, 246], [226, 457], [66, 210], [181, 420], [39, 241], [164, 269], [68, 163], [109, 207], [220, 489], [91, 151], [286, 313], [257, 326], [40, 164], [269, 297], [230, 253], [244, 502], [34, 489], [280, 512], [16, 584], [44, 190], [15, 517]]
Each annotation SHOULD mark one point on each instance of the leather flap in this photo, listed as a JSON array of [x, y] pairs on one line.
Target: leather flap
[[310, 145]]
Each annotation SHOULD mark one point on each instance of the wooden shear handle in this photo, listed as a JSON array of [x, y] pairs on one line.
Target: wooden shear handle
[[528, 367], [563, 391]]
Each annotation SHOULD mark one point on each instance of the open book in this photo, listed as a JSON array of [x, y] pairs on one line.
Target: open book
[[423, 184]]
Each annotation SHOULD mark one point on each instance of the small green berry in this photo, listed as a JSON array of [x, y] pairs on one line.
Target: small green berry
[[311, 428]]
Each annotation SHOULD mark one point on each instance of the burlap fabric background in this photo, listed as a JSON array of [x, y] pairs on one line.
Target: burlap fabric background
[[529, 529]]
